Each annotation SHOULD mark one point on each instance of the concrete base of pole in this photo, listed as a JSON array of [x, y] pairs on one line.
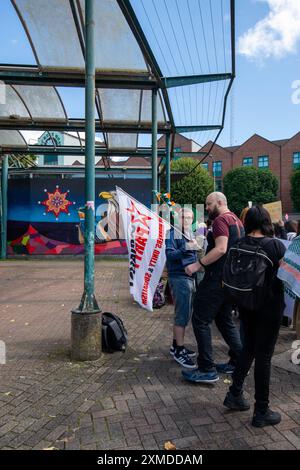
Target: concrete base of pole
[[86, 336]]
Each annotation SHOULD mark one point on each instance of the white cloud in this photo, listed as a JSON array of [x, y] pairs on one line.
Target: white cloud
[[276, 35]]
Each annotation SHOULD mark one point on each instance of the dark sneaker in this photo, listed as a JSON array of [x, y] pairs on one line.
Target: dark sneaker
[[189, 352], [183, 359], [225, 368], [197, 376], [269, 418], [238, 403]]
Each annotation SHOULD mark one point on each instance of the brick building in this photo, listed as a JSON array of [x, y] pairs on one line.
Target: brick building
[[181, 144], [280, 156]]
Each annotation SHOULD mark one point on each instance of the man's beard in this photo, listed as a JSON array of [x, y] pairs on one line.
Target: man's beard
[[213, 214]]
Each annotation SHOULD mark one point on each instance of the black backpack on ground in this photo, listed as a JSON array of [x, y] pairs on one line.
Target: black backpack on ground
[[114, 334], [247, 275]]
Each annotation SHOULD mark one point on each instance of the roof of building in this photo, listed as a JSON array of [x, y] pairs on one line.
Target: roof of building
[[280, 142], [130, 162]]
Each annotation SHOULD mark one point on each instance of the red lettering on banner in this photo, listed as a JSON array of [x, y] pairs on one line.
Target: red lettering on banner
[[147, 278], [142, 231], [153, 261]]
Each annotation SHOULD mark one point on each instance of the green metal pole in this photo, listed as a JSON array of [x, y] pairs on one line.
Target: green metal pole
[[168, 168], [4, 185], [86, 320], [89, 236], [154, 146]]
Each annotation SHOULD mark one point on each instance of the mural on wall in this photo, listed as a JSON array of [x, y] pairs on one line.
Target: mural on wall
[[56, 225], [56, 202]]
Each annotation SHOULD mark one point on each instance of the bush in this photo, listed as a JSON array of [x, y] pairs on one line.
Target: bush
[[249, 184], [295, 189], [192, 189]]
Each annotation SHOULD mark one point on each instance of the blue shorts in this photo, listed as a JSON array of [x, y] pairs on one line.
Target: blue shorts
[[182, 289]]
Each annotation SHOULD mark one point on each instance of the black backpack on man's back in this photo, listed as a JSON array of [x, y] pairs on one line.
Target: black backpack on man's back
[[114, 334], [247, 275]]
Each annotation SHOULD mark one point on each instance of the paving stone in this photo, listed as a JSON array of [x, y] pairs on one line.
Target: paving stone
[[136, 400]]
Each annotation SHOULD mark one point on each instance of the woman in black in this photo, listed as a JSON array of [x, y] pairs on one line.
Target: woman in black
[[261, 327]]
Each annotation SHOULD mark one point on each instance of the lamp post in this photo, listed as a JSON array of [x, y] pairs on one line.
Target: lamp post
[[213, 171]]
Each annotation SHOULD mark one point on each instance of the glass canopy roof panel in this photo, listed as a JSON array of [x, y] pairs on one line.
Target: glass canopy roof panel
[[116, 46], [146, 111], [13, 107], [120, 105], [187, 37], [52, 31], [200, 104], [43, 102], [127, 141], [11, 138]]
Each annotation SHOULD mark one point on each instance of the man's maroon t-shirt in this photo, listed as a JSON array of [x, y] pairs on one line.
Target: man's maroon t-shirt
[[225, 225]]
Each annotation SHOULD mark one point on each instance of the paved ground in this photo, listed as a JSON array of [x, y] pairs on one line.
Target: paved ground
[[135, 400]]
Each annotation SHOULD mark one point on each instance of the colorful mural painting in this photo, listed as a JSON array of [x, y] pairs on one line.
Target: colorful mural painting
[[55, 225]]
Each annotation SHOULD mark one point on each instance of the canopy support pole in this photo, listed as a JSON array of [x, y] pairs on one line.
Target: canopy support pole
[[154, 147], [86, 320], [4, 186], [168, 164]]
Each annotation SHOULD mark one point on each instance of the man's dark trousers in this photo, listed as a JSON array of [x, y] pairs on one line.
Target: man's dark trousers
[[210, 304]]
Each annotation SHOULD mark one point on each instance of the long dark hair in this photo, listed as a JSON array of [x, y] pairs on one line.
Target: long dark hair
[[258, 218]]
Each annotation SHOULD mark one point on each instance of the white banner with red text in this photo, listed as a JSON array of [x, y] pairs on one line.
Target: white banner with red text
[[145, 234]]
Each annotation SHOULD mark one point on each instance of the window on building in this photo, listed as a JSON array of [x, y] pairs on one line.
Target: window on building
[[205, 166], [50, 159], [296, 160], [248, 161], [177, 149], [218, 185], [217, 169], [263, 161]]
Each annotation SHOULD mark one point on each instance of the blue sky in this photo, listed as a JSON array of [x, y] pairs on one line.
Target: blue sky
[[263, 90], [263, 85]]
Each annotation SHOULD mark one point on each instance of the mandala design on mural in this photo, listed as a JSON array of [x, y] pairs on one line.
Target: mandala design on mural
[[57, 202]]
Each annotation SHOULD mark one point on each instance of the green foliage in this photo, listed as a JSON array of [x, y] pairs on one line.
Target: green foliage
[[249, 184], [191, 189], [22, 161], [295, 189]]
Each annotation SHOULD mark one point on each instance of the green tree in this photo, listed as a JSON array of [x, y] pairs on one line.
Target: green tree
[[249, 184], [191, 189], [295, 190], [22, 161]]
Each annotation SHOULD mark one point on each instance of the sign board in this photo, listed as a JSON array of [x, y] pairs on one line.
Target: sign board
[[275, 210]]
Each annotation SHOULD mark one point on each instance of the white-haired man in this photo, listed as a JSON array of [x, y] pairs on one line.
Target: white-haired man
[[210, 302]]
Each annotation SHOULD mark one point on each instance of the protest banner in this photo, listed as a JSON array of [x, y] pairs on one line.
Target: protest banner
[[275, 211], [145, 234]]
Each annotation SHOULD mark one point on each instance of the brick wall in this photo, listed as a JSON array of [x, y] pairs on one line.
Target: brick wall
[[280, 156], [287, 151], [180, 141]]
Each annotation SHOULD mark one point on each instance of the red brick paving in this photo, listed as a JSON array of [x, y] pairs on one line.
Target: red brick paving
[[135, 400]]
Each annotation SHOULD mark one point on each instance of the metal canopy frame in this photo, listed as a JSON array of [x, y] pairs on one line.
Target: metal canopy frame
[[151, 80]]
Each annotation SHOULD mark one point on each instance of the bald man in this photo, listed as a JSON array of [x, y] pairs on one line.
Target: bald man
[[210, 303]]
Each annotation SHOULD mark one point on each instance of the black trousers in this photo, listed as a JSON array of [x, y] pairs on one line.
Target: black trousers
[[260, 331], [210, 305]]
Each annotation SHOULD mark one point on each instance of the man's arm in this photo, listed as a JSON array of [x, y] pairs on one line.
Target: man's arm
[[173, 252], [221, 244], [217, 252]]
